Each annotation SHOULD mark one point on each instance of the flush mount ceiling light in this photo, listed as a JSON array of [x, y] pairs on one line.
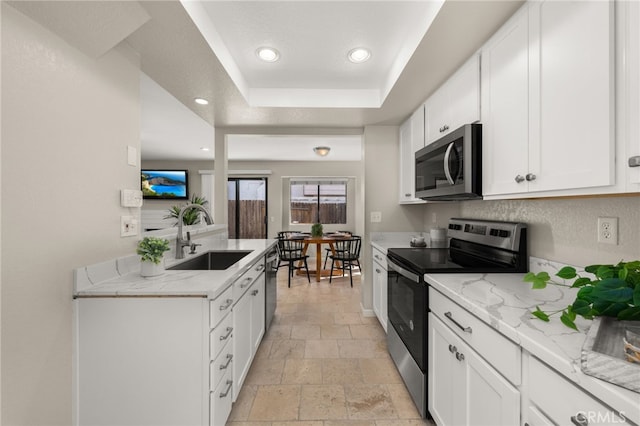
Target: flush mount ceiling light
[[201, 101], [204, 148], [322, 151], [268, 54], [359, 55]]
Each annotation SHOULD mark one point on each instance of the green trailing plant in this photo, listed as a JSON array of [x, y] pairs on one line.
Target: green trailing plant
[[151, 249], [316, 230], [190, 216], [612, 291]]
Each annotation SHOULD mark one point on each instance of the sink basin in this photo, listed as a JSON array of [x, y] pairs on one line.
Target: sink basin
[[212, 260]]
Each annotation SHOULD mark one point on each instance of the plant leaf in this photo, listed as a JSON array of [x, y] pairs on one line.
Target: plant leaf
[[568, 321], [605, 271], [581, 307], [581, 282], [636, 296], [567, 273], [608, 309], [591, 268], [612, 290], [538, 313], [630, 314], [538, 280]]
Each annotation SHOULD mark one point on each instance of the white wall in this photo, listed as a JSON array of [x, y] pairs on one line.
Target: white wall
[[66, 123], [565, 230]]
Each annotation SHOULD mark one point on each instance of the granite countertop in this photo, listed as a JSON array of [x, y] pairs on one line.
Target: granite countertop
[[504, 302], [121, 277]]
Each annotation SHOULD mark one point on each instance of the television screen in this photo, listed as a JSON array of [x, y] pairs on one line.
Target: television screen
[[165, 184]]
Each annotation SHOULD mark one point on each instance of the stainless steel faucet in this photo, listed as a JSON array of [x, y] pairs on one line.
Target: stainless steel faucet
[[181, 242]]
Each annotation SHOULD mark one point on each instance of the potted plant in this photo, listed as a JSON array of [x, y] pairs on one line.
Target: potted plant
[[151, 250], [191, 216], [612, 291], [316, 230]]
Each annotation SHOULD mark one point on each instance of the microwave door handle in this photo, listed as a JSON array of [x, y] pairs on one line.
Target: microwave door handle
[[447, 172]]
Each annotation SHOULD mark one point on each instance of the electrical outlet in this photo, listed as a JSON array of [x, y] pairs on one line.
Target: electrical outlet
[[608, 230], [128, 226]]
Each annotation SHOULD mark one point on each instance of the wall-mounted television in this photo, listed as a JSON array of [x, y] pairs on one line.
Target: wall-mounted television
[[165, 184]]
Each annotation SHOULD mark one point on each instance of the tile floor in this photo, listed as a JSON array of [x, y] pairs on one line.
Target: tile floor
[[323, 364]]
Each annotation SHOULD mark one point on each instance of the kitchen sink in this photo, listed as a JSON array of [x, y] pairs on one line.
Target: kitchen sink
[[212, 260]]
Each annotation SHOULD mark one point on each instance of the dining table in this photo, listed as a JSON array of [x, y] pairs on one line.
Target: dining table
[[329, 239]]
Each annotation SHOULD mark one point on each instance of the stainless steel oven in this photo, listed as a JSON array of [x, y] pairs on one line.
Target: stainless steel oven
[[474, 246], [451, 167]]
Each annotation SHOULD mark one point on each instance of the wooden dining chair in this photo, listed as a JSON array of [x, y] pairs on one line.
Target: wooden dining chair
[[348, 253], [290, 252], [328, 250]]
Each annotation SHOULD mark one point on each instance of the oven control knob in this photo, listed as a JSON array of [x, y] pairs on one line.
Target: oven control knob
[[411, 325]]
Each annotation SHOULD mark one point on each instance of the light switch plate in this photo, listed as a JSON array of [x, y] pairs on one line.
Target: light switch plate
[[132, 156], [130, 198], [376, 217], [128, 226]]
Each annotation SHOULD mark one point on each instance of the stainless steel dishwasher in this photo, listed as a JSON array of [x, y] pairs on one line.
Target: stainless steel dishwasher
[[271, 286]]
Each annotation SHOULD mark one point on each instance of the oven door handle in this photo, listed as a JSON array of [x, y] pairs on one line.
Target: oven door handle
[[407, 274]]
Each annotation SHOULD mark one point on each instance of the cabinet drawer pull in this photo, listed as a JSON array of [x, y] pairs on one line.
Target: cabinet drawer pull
[[407, 195], [465, 329], [226, 364], [378, 271], [452, 349], [459, 356], [377, 257], [254, 292], [259, 268], [580, 420], [226, 305], [443, 128], [247, 281], [226, 391], [226, 336]]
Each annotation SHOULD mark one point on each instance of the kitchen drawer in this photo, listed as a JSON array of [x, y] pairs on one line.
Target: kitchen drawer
[[380, 257], [574, 407], [220, 401], [222, 363], [219, 336], [497, 350], [242, 284], [220, 306]]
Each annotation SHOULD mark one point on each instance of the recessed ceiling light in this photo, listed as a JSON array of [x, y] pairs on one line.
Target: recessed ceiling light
[[201, 101], [268, 54], [204, 148], [359, 55]]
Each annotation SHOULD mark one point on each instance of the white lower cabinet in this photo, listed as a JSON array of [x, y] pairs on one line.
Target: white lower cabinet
[[248, 326], [463, 388], [380, 286], [552, 399]]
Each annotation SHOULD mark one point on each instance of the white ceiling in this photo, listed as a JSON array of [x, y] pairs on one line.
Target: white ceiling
[[175, 54], [313, 39]]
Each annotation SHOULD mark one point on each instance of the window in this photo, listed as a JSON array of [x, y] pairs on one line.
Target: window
[[323, 202]]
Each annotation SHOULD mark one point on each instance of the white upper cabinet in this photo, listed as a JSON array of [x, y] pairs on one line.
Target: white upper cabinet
[[548, 99], [455, 103], [631, 97], [411, 140]]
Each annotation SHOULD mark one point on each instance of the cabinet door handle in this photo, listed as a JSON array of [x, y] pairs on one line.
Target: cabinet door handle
[[377, 257], [259, 268], [247, 281], [452, 349], [580, 420], [226, 305], [226, 336], [530, 177], [407, 195], [519, 179], [378, 271], [226, 364], [459, 356], [254, 292], [634, 161], [465, 329], [443, 128], [226, 391]]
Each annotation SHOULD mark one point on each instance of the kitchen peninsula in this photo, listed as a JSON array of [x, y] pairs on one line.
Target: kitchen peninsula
[[171, 349]]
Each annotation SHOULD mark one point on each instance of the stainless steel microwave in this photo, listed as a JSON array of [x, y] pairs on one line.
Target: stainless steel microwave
[[451, 167]]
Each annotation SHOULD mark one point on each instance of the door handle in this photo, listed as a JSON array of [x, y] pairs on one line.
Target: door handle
[[447, 172]]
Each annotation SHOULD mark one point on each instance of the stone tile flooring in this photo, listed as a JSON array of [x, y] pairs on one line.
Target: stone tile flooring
[[323, 364]]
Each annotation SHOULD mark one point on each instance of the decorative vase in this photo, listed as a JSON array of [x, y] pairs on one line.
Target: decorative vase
[[150, 269]]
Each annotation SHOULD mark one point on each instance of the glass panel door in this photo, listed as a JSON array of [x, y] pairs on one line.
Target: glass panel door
[[247, 207]]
